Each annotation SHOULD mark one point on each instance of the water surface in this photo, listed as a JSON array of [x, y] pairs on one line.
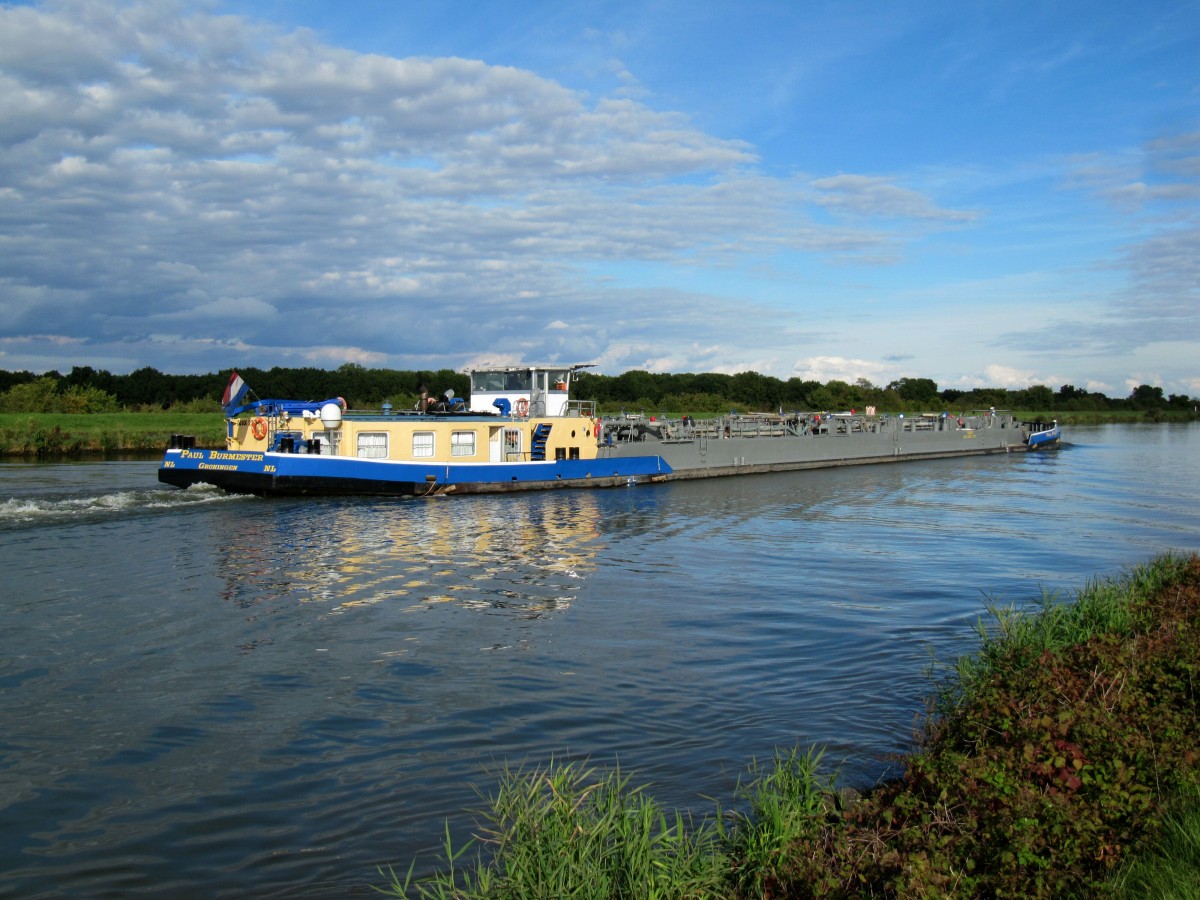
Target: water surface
[[241, 696]]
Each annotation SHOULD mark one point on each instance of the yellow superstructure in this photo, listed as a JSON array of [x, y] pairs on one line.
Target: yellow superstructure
[[448, 438]]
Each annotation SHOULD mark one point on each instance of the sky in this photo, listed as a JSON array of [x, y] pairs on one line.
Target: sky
[[995, 194]]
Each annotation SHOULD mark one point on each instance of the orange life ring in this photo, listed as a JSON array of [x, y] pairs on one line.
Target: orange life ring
[[259, 428], [522, 407]]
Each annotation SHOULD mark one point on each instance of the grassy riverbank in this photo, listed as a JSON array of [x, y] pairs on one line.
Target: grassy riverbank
[[1113, 416], [83, 434], [1059, 760]]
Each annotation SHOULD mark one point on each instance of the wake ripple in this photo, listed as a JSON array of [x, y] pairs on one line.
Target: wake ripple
[[22, 511]]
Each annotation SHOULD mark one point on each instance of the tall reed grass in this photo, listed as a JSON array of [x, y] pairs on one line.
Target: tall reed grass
[[570, 831], [1170, 869]]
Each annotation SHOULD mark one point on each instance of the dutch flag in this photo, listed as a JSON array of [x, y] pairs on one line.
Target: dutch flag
[[235, 392]]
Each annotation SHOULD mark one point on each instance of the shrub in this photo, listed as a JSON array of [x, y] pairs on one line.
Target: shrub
[[43, 395]]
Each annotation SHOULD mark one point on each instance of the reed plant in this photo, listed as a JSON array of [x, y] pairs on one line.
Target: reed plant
[[1169, 869], [571, 831], [785, 804]]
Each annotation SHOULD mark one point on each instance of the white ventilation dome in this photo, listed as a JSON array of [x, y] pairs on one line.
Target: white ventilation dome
[[331, 415]]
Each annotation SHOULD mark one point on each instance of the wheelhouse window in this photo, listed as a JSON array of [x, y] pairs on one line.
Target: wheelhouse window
[[462, 443], [422, 445], [373, 445], [487, 382]]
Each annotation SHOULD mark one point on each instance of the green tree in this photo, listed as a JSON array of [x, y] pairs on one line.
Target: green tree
[[77, 399], [147, 387], [591, 386], [716, 383], [1038, 397], [40, 395], [915, 390], [9, 379], [798, 393], [755, 390], [634, 386], [836, 395], [1146, 397]]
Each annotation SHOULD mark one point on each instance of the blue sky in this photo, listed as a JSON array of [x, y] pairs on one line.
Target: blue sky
[[990, 194]]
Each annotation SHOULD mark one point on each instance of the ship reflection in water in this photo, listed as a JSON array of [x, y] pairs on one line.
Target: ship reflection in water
[[522, 556]]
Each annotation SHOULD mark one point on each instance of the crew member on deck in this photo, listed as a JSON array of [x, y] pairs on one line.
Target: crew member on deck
[[424, 401]]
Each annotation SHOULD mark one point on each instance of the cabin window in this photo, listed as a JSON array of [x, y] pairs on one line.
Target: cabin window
[[422, 447], [372, 445], [462, 443]]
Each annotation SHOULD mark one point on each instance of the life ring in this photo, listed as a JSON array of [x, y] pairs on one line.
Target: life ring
[[522, 407], [259, 428]]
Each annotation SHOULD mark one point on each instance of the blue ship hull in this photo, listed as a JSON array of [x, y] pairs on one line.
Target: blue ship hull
[[1045, 440], [273, 473]]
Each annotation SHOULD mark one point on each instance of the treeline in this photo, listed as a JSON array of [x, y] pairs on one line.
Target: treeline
[[85, 389], [713, 392]]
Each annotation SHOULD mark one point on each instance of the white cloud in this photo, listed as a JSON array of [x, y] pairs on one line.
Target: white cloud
[[60, 340], [1008, 377], [235, 308], [872, 196], [840, 368]]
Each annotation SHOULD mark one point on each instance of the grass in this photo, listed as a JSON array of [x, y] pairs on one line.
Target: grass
[[566, 831], [69, 434], [786, 803], [1059, 760], [572, 831], [1111, 416], [1170, 869], [1013, 637]]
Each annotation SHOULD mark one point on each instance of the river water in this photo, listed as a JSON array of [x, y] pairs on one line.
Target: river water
[[226, 696]]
